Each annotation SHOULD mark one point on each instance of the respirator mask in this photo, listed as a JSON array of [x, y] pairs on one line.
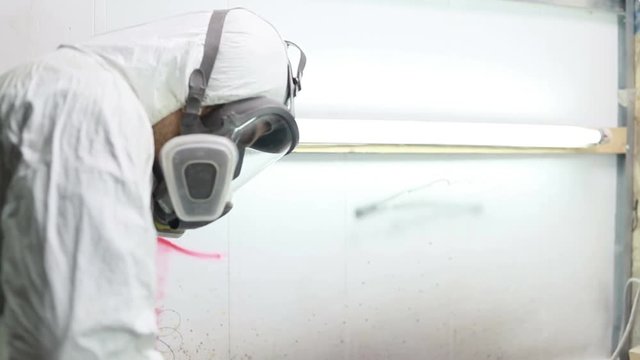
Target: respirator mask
[[220, 151]]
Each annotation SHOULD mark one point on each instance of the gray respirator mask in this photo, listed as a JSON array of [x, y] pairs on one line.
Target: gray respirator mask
[[216, 153]]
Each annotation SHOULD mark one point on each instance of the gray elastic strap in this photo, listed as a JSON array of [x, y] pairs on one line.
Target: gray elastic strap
[[212, 43], [199, 78]]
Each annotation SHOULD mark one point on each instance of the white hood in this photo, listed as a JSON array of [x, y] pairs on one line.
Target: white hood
[[157, 58]]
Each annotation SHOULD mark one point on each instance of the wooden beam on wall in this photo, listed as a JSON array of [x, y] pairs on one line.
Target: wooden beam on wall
[[616, 143]]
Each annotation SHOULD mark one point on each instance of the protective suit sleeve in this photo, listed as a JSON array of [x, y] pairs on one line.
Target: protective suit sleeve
[[78, 266]]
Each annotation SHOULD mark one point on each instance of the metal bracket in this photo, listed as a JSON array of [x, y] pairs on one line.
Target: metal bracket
[[617, 6]]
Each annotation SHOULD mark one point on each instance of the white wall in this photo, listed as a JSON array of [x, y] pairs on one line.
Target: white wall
[[514, 260], [29, 28]]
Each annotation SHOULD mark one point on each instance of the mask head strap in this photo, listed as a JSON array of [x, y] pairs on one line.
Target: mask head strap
[[294, 84], [199, 78], [302, 62]]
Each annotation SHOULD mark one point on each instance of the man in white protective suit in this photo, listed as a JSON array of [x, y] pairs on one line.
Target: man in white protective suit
[[105, 144]]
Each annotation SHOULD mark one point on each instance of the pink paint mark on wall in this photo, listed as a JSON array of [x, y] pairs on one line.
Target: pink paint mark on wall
[[163, 253], [165, 245], [162, 270]]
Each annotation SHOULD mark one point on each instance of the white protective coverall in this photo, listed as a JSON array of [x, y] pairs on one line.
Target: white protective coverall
[[76, 153]]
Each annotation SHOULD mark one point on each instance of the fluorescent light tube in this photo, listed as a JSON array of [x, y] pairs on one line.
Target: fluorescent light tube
[[401, 132]]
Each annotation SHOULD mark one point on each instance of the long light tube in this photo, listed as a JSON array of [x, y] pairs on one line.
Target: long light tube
[[400, 132]]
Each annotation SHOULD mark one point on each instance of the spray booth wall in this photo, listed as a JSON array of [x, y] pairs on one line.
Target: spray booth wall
[[491, 257]]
